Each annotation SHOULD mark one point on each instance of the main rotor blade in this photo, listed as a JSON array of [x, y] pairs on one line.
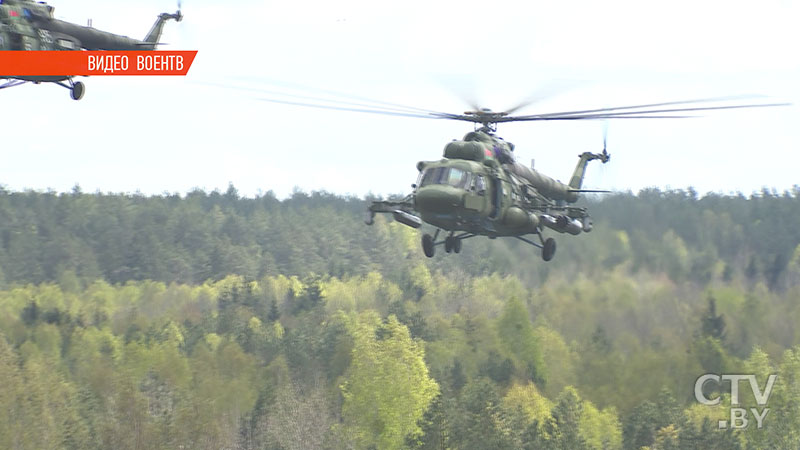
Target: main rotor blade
[[349, 98], [635, 114], [469, 99], [398, 108], [370, 106], [361, 110], [651, 105], [394, 107], [589, 117], [548, 90], [527, 102]]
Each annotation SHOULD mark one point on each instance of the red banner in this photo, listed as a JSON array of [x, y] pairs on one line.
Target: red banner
[[95, 63]]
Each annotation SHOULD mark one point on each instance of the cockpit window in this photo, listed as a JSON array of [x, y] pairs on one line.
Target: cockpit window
[[432, 176], [446, 175]]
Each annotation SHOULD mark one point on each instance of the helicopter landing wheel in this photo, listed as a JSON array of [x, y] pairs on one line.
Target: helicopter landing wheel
[[77, 90], [427, 245], [448, 244], [548, 249], [456, 245]]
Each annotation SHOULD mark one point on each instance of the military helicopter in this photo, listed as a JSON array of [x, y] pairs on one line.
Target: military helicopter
[[29, 25], [478, 188]]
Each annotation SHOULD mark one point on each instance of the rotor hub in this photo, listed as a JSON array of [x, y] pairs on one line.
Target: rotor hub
[[487, 118]]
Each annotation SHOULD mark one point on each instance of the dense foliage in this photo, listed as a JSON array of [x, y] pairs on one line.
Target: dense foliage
[[215, 321]]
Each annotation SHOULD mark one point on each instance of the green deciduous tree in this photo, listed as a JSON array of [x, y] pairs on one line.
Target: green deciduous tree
[[600, 430], [517, 335], [12, 421], [387, 387], [479, 421]]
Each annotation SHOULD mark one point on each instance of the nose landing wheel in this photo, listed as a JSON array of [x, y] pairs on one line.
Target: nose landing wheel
[[452, 244]]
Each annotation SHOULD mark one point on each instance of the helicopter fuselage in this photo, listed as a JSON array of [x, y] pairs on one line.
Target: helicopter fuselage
[[462, 195], [478, 188]]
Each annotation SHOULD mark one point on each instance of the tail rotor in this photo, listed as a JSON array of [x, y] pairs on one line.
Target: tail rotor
[[605, 156]]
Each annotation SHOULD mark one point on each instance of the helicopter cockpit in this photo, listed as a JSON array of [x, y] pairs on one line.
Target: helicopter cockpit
[[455, 177]]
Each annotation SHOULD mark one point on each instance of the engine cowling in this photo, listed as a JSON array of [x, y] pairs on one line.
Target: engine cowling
[[547, 186]]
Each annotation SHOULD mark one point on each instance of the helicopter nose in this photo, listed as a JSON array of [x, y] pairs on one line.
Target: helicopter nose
[[439, 199]]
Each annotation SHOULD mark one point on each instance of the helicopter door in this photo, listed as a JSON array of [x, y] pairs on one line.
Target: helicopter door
[[476, 194], [496, 197]]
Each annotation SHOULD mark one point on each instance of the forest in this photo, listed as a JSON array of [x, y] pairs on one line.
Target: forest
[[211, 320]]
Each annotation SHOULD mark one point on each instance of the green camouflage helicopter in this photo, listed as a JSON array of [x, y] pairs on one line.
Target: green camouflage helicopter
[[29, 25], [478, 189]]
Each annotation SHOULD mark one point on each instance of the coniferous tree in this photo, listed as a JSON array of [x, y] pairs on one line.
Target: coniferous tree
[[713, 324]]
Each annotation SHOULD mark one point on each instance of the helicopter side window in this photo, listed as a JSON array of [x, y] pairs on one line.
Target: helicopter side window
[[479, 185], [467, 181], [456, 178]]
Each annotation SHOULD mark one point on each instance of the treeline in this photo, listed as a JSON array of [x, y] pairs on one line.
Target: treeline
[[702, 239], [202, 236]]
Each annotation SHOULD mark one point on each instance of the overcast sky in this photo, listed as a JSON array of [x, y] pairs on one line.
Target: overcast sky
[[171, 134]]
